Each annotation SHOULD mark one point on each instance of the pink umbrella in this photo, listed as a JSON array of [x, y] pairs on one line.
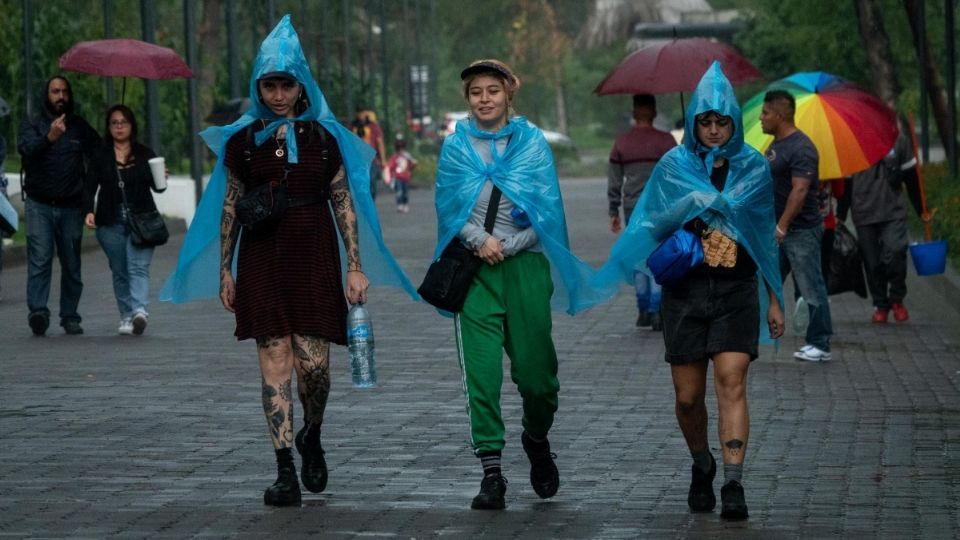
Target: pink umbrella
[[125, 58]]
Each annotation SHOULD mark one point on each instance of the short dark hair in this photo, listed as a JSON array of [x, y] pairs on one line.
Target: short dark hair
[[781, 98], [644, 100]]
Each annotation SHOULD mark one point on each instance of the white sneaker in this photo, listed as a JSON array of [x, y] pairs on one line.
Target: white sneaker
[[126, 327], [139, 322], [810, 353], [801, 316]]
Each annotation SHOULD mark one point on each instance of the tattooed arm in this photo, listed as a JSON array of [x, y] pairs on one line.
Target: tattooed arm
[[229, 231], [347, 223]]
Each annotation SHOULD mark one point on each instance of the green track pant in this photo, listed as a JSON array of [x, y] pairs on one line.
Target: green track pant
[[508, 308]]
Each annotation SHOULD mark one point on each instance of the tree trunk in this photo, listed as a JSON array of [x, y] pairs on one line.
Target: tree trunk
[[561, 102], [877, 43], [938, 97], [210, 49]]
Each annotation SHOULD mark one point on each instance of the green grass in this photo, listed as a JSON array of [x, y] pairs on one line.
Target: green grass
[[943, 194]]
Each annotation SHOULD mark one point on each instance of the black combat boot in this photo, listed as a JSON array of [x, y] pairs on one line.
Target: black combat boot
[[313, 471], [286, 490]]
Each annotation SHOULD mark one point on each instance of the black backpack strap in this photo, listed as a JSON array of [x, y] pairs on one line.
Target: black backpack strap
[[249, 144], [493, 206]]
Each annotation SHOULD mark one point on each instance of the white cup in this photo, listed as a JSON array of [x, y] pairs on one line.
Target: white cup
[[159, 171]]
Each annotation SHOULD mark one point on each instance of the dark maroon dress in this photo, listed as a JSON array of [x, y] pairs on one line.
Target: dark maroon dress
[[288, 277]]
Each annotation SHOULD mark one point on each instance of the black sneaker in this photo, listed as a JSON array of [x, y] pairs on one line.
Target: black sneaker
[[544, 476], [39, 322], [734, 505], [643, 318], [285, 491], [701, 498], [656, 322], [72, 328], [313, 471], [492, 489]]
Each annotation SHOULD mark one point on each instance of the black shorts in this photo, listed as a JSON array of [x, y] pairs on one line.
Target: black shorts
[[705, 315]]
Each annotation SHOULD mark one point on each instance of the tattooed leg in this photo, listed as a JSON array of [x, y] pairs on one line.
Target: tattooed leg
[[730, 374], [689, 384], [312, 363], [276, 368]]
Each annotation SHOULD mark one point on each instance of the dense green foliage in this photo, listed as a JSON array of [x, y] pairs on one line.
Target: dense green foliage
[[781, 36], [785, 36]]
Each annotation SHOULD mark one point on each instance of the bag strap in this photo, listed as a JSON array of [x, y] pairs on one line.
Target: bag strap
[[123, 192], [492, 207]]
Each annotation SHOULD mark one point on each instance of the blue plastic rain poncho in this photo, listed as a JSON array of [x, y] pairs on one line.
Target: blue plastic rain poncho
[[679, 190], [526, 175], [197, 273]]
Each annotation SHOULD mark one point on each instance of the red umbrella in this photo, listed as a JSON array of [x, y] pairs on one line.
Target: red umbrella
[[675, 66], [125, 58]]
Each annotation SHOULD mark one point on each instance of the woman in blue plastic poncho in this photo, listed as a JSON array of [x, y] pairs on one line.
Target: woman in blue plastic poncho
[[493, 158], [288, 293], [721, 189]]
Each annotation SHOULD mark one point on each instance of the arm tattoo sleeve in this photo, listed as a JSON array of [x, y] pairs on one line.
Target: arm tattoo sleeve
[[346, 218], [229, 230]]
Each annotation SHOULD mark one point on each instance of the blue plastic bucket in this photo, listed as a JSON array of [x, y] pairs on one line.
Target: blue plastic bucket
[[929, 258]]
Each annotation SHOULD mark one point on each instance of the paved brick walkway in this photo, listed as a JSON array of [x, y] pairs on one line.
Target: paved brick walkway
[[163, 436]]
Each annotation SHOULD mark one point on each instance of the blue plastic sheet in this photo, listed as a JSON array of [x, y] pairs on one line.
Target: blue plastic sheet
[[526, 175], [679, 190], [197, 273]]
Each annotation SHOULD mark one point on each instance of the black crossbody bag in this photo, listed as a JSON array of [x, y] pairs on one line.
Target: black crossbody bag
[[147, 228], [449, 277], [265, 205]]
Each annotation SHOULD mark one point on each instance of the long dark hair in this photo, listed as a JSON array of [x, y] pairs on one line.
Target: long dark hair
[[128, 116], [68, 107], [135, 147]]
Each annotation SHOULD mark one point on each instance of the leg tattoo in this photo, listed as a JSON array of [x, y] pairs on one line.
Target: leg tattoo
[[277, 395], [734, 446], [312, 362]]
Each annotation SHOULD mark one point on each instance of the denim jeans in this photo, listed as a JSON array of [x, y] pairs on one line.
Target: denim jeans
[[402, 189], [130, 266], [800, 252], [49, 228], [648, 293]]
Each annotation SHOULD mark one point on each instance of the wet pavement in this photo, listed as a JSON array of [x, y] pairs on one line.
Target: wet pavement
[[163, 436]]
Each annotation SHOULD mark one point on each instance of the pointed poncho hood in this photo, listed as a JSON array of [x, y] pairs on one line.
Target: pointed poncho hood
[[196, 275], [526, 175], [679, 190]]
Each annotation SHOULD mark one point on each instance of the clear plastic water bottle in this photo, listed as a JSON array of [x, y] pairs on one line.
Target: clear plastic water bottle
[[360, 344]]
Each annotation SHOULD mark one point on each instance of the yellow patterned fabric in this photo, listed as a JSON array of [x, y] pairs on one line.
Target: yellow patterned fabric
[[719, 250]]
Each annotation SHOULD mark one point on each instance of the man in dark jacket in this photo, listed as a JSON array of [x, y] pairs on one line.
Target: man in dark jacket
[[873, 198], [54, 147]]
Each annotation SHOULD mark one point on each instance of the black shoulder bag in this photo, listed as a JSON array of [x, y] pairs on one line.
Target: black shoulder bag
[[449, 277], [147, 228]]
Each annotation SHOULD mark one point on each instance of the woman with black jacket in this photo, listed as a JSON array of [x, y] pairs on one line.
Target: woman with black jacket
[[121, 164]]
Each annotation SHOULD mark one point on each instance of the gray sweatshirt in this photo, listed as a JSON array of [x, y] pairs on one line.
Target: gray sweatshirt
[[513, 239]]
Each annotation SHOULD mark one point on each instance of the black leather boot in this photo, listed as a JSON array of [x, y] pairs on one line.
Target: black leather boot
[[286, 490], [313, 470]]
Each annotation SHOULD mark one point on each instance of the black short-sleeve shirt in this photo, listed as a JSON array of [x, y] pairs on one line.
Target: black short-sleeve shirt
[[795, 156]]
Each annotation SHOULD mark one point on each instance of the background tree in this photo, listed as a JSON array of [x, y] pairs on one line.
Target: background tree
[[876, 41]]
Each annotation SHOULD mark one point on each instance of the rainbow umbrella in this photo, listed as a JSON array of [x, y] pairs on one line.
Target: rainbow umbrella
[[851, 128]]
